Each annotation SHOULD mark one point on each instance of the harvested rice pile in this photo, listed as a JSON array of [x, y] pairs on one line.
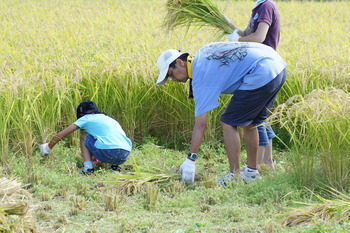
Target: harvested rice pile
[[337, 210], [15, 214]]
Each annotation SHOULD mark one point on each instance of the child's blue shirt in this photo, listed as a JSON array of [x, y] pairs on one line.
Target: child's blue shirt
[[107, 131]]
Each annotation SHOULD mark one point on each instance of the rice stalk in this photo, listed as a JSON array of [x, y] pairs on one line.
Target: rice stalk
[[11, 189], [79, 202], [19, 209], [81, 189], [198, 13], [14, 200], [174, 188], [134, 182], [111, 202], [312, 122], [329, 210], [45, 197]]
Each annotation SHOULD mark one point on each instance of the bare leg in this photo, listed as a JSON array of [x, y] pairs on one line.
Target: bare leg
[[233, 146], [251, 139], [268, 156], [261, 153], [84, 151]]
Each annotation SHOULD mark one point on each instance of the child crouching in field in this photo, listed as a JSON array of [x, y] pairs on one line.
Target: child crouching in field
[[102, 138]]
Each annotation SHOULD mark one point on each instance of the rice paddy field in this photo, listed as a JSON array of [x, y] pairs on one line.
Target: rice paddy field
[[55, 54]]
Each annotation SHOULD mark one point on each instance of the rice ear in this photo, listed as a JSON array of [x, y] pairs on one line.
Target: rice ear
[[198, 13]]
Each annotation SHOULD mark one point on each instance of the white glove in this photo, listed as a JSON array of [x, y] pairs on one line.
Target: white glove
[[44, 149], [227, 19], [233, 36], [188, 170]]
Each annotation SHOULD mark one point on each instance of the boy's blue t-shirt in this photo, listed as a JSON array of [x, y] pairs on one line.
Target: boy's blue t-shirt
[[224, 67], [107, 131]]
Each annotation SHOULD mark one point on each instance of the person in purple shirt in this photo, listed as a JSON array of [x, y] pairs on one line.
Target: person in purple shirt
[[264, 27]]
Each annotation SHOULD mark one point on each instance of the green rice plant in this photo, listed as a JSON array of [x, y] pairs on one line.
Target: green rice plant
[[337, 210], [320, 136], [198, 13], [110, 58], [4, 135]]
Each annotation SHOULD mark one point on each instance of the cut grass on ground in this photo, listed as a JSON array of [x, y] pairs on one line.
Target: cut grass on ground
[[66, 201]]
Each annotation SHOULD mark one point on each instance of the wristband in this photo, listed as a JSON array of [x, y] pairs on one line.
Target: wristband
[[192, 156]]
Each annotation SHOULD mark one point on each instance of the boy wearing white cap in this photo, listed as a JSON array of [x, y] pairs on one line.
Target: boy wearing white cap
[[252, 72]]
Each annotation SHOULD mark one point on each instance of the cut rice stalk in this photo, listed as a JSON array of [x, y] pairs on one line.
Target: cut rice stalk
[[132, 183], [198, 13], [336, 210]]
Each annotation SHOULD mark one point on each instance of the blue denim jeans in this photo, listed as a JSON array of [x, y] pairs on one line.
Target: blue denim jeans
[[111, 156], [265, 134]]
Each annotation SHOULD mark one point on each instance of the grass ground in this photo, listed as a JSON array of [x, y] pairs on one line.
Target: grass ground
[[66, 201]]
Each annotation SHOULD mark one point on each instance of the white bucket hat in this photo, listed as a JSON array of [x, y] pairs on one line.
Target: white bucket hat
[[164, 60]]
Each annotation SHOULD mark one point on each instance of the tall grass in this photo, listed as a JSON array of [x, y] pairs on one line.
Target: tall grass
[[55, 54]]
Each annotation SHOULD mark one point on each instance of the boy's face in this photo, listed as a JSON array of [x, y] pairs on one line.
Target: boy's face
[[178, 73]]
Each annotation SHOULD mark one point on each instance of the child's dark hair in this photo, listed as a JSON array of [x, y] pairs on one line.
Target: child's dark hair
[[86, 107]]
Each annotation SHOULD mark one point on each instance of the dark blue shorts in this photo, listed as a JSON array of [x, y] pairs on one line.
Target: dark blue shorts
[[111, 156], [253, 106], [265, 134]]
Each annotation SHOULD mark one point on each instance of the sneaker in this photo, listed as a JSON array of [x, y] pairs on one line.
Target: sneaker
[[249, 175], [116, 168], [85, 171], [226, 180]]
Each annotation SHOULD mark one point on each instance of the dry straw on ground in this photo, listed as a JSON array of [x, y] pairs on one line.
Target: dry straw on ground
[[337, 210], [15, 201], [133, 183]]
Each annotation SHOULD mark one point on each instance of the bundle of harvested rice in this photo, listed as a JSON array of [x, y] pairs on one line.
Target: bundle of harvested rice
[[198, 13], [134, 182], [14, 200], [329, 210]]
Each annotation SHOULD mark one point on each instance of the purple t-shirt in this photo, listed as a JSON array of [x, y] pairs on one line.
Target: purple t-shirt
[[267, 12]]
